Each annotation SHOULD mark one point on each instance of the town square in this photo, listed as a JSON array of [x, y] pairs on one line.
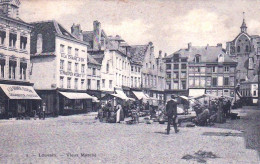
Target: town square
[[128, 81]]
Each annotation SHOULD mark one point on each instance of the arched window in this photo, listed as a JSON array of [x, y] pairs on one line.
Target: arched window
[[220, 58], [39, 43], [247, 48], [238, 48]]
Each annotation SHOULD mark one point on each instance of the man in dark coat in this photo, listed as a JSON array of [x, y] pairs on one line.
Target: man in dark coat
[[171, 110]]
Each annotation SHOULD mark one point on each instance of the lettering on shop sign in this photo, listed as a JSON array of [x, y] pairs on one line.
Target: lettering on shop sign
[[75, 58], [66, 73], [18, 88]]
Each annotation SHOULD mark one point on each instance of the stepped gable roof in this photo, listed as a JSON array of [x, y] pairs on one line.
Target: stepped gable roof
[[207, 53], [56, 27], [91, 60], [138, 52]]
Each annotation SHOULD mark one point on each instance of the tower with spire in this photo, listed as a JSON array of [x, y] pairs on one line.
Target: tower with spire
[[243, 26]]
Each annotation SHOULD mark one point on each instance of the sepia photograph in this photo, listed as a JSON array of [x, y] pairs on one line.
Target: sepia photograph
[[129, 81]]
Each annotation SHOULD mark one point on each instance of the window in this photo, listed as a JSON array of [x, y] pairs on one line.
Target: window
[[250, 63], [82, 68], [62, 48], [197, 58], [12, 67], [168, 75], [139, 70], [61, 82], [94, 71], [132, 68], [103, 83], [153, 67], [168, 85], [23, 42], [238, 48], [198, 69], [82, 83], [69, 66], [183, 74], [247, 48], [110, 84], [98, 84], [146, 65], [69, 82], [76, 83], [2, 37], [183, 60], [61, 64], [168, 66], [132, 81], [226, 69], [183, 66], [213, 69], [254, 93], [89, 83], [176, 66], [107, 67], [214, 82], [2, 67], [12, 40], [69, 50], [76, 52], [76, 67], [183, 85], [226, 81]]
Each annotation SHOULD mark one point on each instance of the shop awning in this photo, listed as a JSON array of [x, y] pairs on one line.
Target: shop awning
[[20, 92], [121, 94], [75, 95], [140, 95], [196, 92]]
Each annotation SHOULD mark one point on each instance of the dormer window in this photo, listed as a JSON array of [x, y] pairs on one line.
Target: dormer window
[[220, 58], [197, 58]]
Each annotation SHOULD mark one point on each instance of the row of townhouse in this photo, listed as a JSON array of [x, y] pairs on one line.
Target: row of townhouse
[[128, 70], [42, 63], [197, 70]]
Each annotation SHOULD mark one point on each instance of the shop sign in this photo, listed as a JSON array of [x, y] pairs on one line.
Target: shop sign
[[77, 74], [75, 58], [66, 73], [19, 92]]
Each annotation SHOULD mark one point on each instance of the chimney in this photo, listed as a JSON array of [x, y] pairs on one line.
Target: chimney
[[160, 54], [76, 31], [189, 46], [165, 55], [96, 35], [219, 45]]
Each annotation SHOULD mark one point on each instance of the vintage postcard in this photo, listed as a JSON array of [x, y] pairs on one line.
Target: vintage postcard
[[129, 81]]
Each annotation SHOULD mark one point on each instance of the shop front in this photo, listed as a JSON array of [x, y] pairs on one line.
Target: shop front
[[75, 103], [18, 101]]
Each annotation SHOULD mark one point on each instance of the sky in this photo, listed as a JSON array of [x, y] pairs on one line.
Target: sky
[[169, 24]]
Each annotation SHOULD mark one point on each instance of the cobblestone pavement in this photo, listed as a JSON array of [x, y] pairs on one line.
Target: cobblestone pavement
[[81, 139], [249, 124]]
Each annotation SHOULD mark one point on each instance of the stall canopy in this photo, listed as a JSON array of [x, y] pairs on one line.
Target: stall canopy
[[19, 92], [140, 95], [196, 92], [75, 95]]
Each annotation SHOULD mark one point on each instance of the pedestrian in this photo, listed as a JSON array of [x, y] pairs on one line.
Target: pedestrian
[[43, 110], [171, 111], [118, 112]]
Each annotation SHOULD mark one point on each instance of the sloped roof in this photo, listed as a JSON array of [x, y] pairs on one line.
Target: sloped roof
[[137, 52], [91, 60], [56, 27], [207, 53]]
